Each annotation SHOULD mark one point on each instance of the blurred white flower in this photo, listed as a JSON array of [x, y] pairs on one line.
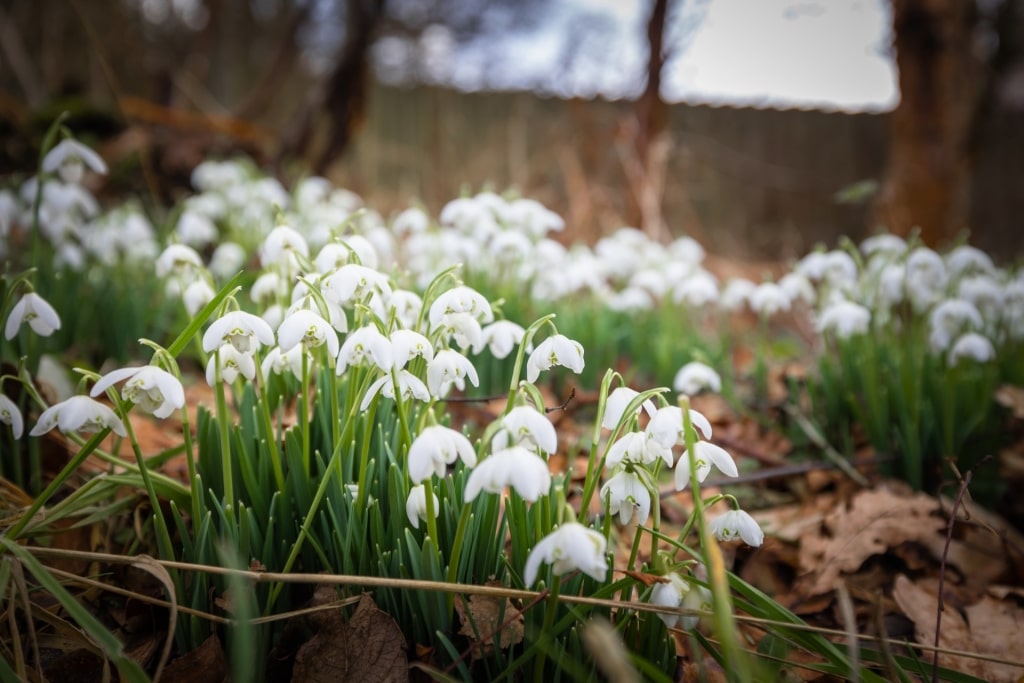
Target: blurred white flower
[[69, 157], [180, 260], [735, 525], [500, 337], [555, 350], [570, 546], [705, 454], [10, 415], [840, 269], [695, 377], [416, 505], [798, 288], [154, 390], [666, 427], [949, 319], [34, 310], [434, 449], [926, 277], [196, 295], [625, 494], [883, 244], [768, 299], [971, 346], [678, 592], [966, 259], [284, 247], [412, 221], [227, 259], [698, 289], [195, 229], [526, 426], [616, 403], [844, 319], [245, 331], [515, 467], [231, 363], [78, 414], [736, 294]]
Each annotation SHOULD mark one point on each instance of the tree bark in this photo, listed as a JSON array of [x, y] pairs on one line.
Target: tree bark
[[927, 181]]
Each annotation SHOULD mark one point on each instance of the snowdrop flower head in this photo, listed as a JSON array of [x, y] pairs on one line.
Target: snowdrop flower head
[[926, 277], [500, 337], [34, 310], [10, 415], [434, 449], [569, 547], [705, 454], [971, 346], [178, 259], [245, 331], [154, 390], [844, 319], [966, 259], [69, 158], [412, 221], [840, 268], [526, 426], [449, 368], [78, 414], [737, 293], [406, 306], [231, 364], [626, 493], [406, 345], [354, 282], [284, 246], [409, 386], [555, 350], [195, 229], [883, 244], [666, 426], [196, 295], [616, 403], [416, 505], [698, 289], [949, 319], [798, 288], [365, 345], [461, 299], [768, 299], [735, 525], [516, 467], [678, 592], [695, 377], [227, 259], [464, 328], [639, 448], [309, 329], [278, 363]]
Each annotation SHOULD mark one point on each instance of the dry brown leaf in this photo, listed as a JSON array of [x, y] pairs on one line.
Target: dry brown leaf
[[482, 616], [205, 664], [997, 628], [1013, 398], [874, 521]]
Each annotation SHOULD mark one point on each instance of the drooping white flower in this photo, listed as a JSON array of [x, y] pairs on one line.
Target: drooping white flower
[[178, 259], [413, 220], [925, 278], [308, 328], [526, 426], [840, 269], [279, 363], [461, 299], [522, 469], [678, 592], [406, 306], [196, 295], [434, 449], [695, 377], [698, 289], [78, 414], [416, 505], [366, 344], [844, 319], [154, 390], [625, 494], [449, 368], [637, 447], [500, 337], [666, 427], [971, 346], [616, 403], [69, 157], [569, 547], [10, 415], [285, 247], [409, 386], [464, 328], [555, 350], [242, 330], [798, 288], [735, 525], [407, 344], [353, 282], [768, 299], [227, 259], [195, 229], [949, 319], [34, 310], [736, 294], [232, 363], [967, 259], [705, 454]]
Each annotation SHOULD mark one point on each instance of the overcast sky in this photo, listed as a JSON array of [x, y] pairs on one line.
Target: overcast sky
[[817, 53]]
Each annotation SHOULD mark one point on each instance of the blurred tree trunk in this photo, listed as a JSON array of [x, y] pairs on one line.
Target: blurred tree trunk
[[942, 82], [340, 106]]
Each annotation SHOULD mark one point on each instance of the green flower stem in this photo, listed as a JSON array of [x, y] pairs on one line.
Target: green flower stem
[[163, 534], [193, 481], [225, 440], [304, 418], [364, 451], [549, 622], [57, 482], [517, 369], [453, 561], [268, 428]]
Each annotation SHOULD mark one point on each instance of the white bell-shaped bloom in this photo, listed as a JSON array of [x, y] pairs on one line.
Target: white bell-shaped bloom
[[285, 247], [569, 547], [555, 350], [353, 282], [616, 403], [34, 310], [308, 328], [242, 330], [461, 299], [196, 295], [844, 319], [279, 363], [516, 467], [416, 505], [678, 592], [178, 259], [695, 377], [227, 259], [232, 363], [735, 525], [365, 345], [195, 229], [705, 454], [10, 415], [500, 337], [768, 299], [434, 449], [526, 426], [449, 368], [949, 319], [639, 448], [625, 494], [666, 427], [69, 157], [737, 294], [971, 346], [78, 414], [463, 327], [154, 390], [407, 344], [409, 386]]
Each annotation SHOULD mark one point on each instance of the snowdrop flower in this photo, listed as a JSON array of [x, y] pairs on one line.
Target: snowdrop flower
[[277, 362], [695, 377], [284, 246], [232, 363], [406, 345], [705, 454], [884, 244], [412, 221], [500, 337], [69, 157], [679, 593], [616, 403], [666, 427], [10, 415], [464, 328], [735, 525], [949, 319], [416, 505], [365, 344], [434, 449], [461, 299], [525, 426], [196, 295], [985, 293], [813, 265], [926, 277], [626, 493], [242, 330], [354, 282], [406, 306], [156, 391], [844, 319], [78, 414], [967, 259], [309, 329], [699, 289], [570, 546], [268, 287], [533, 217], [555, 350], [34, 310], [736, 294], [195, 229], [637, 447], [798, 288], [522, 469], [409, 386], [971, 346], [178, 259], [227, 259], [840, 268], [449, 368], [768, 299]]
